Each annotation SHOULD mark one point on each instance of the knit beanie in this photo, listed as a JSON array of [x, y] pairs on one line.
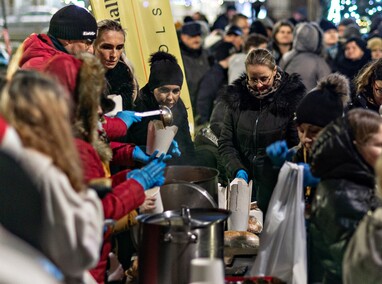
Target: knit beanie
[[360, 42], [326, 25], [73, 23], [325, 102], [164, 70]]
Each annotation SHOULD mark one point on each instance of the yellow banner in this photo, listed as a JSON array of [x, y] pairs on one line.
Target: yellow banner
[[150, 28]]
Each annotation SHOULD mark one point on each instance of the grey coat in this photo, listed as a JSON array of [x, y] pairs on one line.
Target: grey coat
[[306, 58]]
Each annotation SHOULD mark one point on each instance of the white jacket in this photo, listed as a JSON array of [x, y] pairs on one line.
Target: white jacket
[[73, 223]]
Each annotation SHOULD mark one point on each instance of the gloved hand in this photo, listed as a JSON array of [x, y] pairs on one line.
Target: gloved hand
[[150, 175], [128, 117], [278, 153], [174, 149], [242, 174], [309, 179], [142, 157]]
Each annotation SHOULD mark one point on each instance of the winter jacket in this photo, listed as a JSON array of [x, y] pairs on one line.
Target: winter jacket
[[363, 257], [126, 196], [196, 64], [305, 57], [344, 195], [363, 100], [137, 133], [37, 50], [350, 68], [210, 85], [251, 124], [73, 222]]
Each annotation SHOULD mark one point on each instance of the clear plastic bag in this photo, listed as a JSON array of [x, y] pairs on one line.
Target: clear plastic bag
[[282, 252]]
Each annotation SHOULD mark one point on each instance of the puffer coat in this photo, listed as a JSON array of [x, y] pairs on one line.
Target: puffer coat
[[251, 124], [344, 195]]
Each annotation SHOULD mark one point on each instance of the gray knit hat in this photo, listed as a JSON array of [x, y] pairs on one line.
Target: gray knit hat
[[73, 23]]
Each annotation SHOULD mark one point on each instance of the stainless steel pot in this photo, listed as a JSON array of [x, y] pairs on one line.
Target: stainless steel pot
[[169, 240], [175, 195], [205, 177]]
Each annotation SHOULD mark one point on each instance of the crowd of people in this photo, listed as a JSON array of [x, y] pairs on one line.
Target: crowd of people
[[262, 93]]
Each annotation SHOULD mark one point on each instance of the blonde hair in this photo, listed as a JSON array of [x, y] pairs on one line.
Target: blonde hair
[[260, 56], [38, 109], [364, 124], [374, 43]]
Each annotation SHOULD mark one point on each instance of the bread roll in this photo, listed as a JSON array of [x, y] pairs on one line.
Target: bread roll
[[240, 239], [254, 226]]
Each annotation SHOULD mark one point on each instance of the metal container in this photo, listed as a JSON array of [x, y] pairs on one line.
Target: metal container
[[175, 195], [205, 177], [169, 240]]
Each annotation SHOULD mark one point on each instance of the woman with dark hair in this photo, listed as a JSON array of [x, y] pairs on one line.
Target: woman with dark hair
[[368, 87], [343, 157], [282, 39], [259, 110], [164, 88]]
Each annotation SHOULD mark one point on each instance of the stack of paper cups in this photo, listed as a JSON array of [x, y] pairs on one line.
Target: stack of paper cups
[[239, 201], [207, 270]]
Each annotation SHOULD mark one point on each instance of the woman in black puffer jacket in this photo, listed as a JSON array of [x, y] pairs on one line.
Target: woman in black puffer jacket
[[343, 157], [260, 109]]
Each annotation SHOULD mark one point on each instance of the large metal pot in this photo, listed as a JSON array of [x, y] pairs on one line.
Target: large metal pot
[[205, 177], [169, 240], [175, 195]]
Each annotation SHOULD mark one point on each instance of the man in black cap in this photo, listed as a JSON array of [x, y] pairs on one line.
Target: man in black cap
[[195, 58], [72, 29]]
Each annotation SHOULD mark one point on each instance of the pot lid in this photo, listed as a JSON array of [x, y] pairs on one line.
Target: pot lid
[[195, 217]]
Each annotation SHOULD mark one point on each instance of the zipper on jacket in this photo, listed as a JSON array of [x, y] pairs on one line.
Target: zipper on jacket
[[255, 134]]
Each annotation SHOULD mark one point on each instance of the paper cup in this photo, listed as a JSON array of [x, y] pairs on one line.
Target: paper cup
[[239, 200], [159, 139], [155, 191], [207, 270]]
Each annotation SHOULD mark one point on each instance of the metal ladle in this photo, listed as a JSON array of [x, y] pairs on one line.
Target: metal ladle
[[164, 112]]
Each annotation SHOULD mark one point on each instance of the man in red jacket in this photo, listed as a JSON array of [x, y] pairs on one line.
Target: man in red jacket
[[72, 29]]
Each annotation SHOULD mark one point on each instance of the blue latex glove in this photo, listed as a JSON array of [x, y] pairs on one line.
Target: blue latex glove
[[242, 174], [174, 149], [150, 175], [128, 117], [278, 152], [142, 157], [309, 179]]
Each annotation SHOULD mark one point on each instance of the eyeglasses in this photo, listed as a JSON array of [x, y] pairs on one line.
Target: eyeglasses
[[377, 90], [166, 91], [263, 80]]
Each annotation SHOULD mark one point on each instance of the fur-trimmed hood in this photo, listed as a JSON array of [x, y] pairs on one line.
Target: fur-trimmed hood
[[84, 78], [282, 102]]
